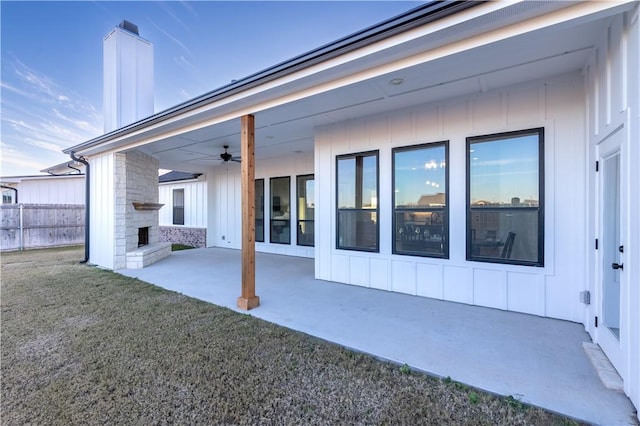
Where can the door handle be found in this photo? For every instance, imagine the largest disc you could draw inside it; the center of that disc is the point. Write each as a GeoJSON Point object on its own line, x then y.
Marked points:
{"type": "Point", "coordinates": [617, 265]}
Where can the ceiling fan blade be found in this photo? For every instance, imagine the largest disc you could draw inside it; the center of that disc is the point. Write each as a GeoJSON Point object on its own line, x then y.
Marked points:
{"type": "Point", "coordinates": [225, 156]}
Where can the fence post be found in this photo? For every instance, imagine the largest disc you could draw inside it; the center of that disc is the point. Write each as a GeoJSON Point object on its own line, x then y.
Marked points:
{"type": "Point", "coordinates": [21, 228]}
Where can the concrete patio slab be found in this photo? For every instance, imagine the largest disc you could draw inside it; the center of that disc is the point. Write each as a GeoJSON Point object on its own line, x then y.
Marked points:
{"type": "Point", "coordinates": [538, 360]}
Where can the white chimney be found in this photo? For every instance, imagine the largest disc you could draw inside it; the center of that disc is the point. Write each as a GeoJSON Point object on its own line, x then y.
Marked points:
{"type": "Point", "coordinates": [128, 77]}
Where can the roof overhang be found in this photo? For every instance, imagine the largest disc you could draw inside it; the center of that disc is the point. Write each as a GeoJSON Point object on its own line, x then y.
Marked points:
{"type": "Point", "coordinates": [14, 180]}
{"type": "Point", "coordinates": [438, 52]}
{"type": "Point", "coordinates": [67, 168]}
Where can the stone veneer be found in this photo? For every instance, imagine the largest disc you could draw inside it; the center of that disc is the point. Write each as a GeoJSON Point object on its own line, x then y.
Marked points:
{"type": "Point", "coordinates": [136, 180]}
{"type": "Point", "coordinates": [196, 237]}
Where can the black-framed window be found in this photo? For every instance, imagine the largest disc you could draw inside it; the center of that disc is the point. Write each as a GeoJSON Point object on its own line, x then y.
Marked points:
{"type": "Point", "coordinates": [505, 198]}
{"type": "Point", "coordinates": [305, 194]}
{"type": "Point", "coordinates": [280, 220]}
{"type": "Point", "coordinates": [259, 200]}
{"type": "Point", "coordinates": [357, 202]}
{"type": "Point", "coordinates": [420, 200]}
{"type": "Point", "coordinates": [178, 206]}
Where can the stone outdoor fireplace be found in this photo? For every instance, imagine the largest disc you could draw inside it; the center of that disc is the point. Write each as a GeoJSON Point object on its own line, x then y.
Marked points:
{"type": "Point", "coordinates": [144, 226]}
{"type": "Point", "coordinates": [137, 226]}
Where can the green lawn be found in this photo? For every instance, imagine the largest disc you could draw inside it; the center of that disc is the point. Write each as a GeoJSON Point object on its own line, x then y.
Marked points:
{"type": "Point", "coordinates": [82, 345]}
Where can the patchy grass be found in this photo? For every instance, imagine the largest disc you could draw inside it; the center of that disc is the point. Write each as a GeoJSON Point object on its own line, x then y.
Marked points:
{"type": "Point", "coordinates": [177, 247]}
{"type": "Point", "coordinates": [82, 345]}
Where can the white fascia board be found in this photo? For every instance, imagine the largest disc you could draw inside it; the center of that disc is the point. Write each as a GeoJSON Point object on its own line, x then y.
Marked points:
{"type": "Point", "coordinates": [52, 177]}
{"type": "Point", "coordinates": [10, 180]}
{"type": "Point", "coordinates": [16, 180]}
{"type": "Point", "coordinates": [178, 182]}
{"type": "Point", "coordinates": [240, 104]}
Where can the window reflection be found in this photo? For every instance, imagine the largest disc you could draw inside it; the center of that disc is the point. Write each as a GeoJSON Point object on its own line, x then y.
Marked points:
{"type": "Point", "coordinates": [357, 185]}
{"type": "Point", "coordinates": [280, 211]}
{"type": "Point", "coordinates": [306, 210]}
{"type": "Point", "coordinates": [505, 172]}
{"type": "Point", "coordinates": [504, 196]}
{"type": "Point", "coordinates": [259, 200]}
{"type": "Point", "coordinates": [347, 183]}
{"type": "Point", "coordinates": [420, 200]}
{"type": "Point", "coordinates": [178, 206]}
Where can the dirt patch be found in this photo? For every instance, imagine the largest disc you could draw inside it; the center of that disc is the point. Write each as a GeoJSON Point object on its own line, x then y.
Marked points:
{"type": "Point", "coordinates": [44, 345]}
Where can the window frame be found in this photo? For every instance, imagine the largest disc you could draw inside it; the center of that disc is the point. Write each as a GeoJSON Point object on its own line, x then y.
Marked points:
{"type": "Point", "coordinates": [445, 210]}
{"type": "Point", "coordinates": [376, 154]}
{"type": "Point", "coordinates": [176, 208]}
{"type": "Point", "coordinates": [298, 220]}
{"type": "Point", "coordinates": [539, 131]}
{"type": "Point", "coordinates": [259, 205]}
{"type": "Point", "coordinates": [271, 219]}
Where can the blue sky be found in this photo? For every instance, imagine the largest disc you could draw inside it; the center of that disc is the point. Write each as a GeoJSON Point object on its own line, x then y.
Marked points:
{"type": "Point", "coordinates": [51, 91]}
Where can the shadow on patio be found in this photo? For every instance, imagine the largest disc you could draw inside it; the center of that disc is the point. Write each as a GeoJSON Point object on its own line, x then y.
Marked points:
{"type": "Point", "coordinates": [538, 360]}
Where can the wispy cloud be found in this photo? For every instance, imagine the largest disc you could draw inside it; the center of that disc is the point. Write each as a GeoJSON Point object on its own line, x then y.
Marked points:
{"type": "Point", "coordinates": [6, 86]}
{"type": "Point", "coordinates": [185, 64]}
{"type": "Point", "coordinates": [43, 145]}
{"type": "Point", "coordinates": [167, 7]}
{"type": "Point", "coordinates": [188, 7]}
{"type": "Point", "coordinates": [40, 117]}
{"type": "Point", "coordinates": [171, 37]}
{"type": "Point", "coordinates": [502, 162]}
{"type": "Point", "coordinates": [81, 123]}
{"type": "Point", "coordinates": [17, 162]}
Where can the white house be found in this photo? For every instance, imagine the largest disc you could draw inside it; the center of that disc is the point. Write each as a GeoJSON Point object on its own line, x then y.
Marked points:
{"type": "Point", "coordinates": [478, 152]}
{"type": "Point", "coordinates": [44, 210]}
{"type": "Point", "coordinates": [63, 185]}
{"type": "Point", "coordinates": [183, 215]}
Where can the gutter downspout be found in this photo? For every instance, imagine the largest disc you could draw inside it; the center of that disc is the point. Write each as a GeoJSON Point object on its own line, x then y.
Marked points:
{"type": "Point", "coordinates": [71, 167]}
{"type": "Point", "coordinates": [87, 200]}
{"type": "Point", "coordinates": [13, 189]}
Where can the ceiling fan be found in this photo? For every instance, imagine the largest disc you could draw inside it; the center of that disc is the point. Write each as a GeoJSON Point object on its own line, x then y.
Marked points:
{"type": "Point", "coordinates": [225, 156]}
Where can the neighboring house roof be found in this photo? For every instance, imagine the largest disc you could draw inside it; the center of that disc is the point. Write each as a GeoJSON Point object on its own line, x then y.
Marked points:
{"type": "Point", "coordinates": [66, 170]}
{"type": "Point", "coordinates": [433, 199]}
{"type": "Point", "coordinates": [70, 167]}
{"type": "Point", "coordinates": [175, 175]}
{"type": "Point", "coordinates": [14, 180]}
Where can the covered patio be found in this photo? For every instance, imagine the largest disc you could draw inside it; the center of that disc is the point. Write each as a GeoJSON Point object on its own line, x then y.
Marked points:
{"type": "Point", "coordinates": [439, 79]}
{"type": "Point", "coordinates": [537, 360]}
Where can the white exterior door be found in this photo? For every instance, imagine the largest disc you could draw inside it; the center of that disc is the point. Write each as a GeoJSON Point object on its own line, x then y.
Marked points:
{"type": "Point", "coordinates": [612, 202]}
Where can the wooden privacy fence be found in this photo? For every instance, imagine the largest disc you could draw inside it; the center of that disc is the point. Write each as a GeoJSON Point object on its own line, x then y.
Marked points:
{"type": "Point", "coordinates": [27, 226]}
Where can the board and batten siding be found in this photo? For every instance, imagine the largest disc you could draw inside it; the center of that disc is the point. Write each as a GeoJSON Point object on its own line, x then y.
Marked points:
{"type": "Point", "coordinates": [195, 203]}
{"type": "Point", "coordinates": [102, 210]}
{"type": "Point", "coordinates": [52, 190]}
{"type": "Point", "coordinates": [613, 105]}
{"type": "Point", "coordinates": [225, 230]}
{"type": "Point", "coordinates": [557, 104]}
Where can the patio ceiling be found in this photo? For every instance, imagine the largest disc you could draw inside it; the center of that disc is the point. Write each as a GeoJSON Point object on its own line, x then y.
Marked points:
{"type": "Point", "coordinates": [288, 128]}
